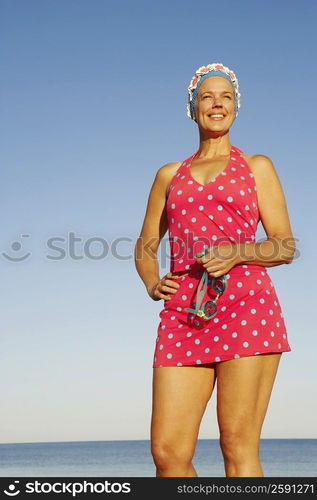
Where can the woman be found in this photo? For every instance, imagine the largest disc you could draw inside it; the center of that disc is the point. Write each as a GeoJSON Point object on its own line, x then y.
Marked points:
{"type": "Point", "coordinates": [222, 318]}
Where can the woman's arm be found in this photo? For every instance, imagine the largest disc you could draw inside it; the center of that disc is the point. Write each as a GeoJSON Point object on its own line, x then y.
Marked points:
{"type": "Point", "coordinates": [153, 229]}
{"type": "Point", "coordinates": [279, 247]}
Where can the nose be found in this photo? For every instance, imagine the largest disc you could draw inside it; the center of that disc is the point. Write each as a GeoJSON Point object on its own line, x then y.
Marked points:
{"type": "Point", "coordinates": [217, 101]}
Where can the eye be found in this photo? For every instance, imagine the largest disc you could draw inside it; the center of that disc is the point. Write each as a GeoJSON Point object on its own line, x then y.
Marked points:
{"type": "Point", "coordinates": [228, 96]}
{"type": "Point", "coordinates": [206, 96]}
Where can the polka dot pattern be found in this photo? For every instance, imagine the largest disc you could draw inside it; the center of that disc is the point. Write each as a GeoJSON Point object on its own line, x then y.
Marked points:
{"type": "Point", "coordinates": [249, 319]}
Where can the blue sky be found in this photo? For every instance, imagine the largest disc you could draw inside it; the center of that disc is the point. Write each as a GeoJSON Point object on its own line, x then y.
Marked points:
{"type": "Point", "coordinates": [93, 103]}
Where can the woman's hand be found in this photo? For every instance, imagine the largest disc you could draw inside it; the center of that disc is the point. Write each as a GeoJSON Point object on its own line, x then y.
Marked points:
{"type": "Point", "coordinates": [164, 287]}
{"type": "Point", "coordinates": [220, 259]}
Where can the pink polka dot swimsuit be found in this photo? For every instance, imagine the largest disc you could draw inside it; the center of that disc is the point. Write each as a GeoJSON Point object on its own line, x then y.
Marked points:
{"type": "Point", "coordinates": [249, 319]}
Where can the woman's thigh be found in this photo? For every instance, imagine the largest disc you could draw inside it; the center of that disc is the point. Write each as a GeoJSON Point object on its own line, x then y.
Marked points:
{"type": "Point", "coordinates": [244, 387]}
{"type": "Point", "coordinates": [180, 397]}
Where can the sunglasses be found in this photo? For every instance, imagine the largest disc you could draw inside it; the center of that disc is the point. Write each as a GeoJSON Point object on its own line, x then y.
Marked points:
{"type": "Point", "coordinates": [209, 308]}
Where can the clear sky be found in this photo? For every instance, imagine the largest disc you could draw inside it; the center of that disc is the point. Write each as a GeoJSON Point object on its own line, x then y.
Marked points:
{"type": "Point", "coordinates": [93, 103]}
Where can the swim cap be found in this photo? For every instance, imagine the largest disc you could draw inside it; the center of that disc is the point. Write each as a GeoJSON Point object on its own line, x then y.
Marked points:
{"type": "Point", "coordinates": [214, 69]}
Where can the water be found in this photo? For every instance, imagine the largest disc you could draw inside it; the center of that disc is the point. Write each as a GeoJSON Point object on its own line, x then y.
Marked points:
{"type": "Point", "coordinates": [279, 458]}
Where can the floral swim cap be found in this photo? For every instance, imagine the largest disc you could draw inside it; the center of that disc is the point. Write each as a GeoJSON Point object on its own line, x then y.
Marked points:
{"type": "Point", "coordinates": [214, 69]}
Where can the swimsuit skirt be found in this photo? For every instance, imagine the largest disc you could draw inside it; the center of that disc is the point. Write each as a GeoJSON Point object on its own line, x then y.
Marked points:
{"type": "Point", "coordinates": [249, 319]}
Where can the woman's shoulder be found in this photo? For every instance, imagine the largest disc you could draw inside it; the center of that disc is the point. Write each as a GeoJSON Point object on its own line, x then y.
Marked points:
{"type": "Point", "coordinates": [166, 173]}
{"type": "Point", "coordinates": [263, 171]}
{"type": "Point", "coordinates": [169, 168]}
{"type": "Point", "coordinates": [258, 162]}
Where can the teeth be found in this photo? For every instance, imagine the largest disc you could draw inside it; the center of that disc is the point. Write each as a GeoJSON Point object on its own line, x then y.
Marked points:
{"type": "Point", "coordinates": [216, 116]}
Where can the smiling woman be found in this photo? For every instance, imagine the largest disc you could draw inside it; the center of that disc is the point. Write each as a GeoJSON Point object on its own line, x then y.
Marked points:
{"type": "Point", "coordinates": [211, 204]}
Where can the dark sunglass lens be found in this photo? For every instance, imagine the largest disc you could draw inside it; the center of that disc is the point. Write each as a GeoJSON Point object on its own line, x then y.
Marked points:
{"type": "Point", "coordinates": [210, 309]}
{"type": "Point", "coordinates": [219, 284]}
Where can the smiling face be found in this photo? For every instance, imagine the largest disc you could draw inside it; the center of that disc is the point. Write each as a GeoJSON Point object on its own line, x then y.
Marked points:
{"type": "Point", "coordinates": [215, 97]}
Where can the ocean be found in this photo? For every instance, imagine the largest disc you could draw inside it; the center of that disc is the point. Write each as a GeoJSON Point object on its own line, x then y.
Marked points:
{"type": "Point", "coordinates": [279, 458]}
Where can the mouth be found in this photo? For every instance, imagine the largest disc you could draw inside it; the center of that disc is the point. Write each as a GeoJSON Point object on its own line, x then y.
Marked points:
{"type": "Point", "coordinates": [217, 116]}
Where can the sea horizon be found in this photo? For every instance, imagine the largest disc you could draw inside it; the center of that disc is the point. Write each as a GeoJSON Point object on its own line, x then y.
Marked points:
{"type": "Point", "coordinates": [115, 440]}
{"type": "Point", "coordinates": [280, 457]}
